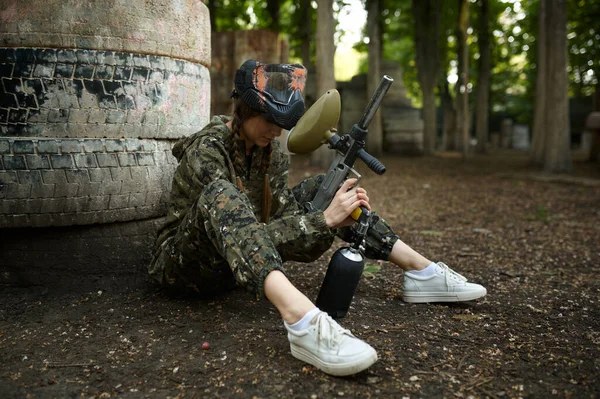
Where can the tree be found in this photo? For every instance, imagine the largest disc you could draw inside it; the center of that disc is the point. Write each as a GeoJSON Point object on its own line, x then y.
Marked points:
{"type": "Point", "coordinates": [226, 16]}
{"type": "Point", "coordinates": [375, 136]}
{"type": "Point", "coordinates": [483, 77]}
{"type": "Point", "coordinates": [273, 10]}
{"type": "Point", "coordinates": [584, 48]}
{"type": "Point", "coordinates": [304, 22]}
{"type": "Point", "coordinates": [212, 11]}
{"type": "Point", "coordinates": [427, 21]}
{"type": "Point", "coordinates": [447, 51]}
{"type": "Point", "coordinates": [552, 114]}
{"type": "Point", "coordinates": [397, 42]}
{"type": "Point", "coordinates": [325, 47]}
{"type": "Point", "coordinates": [462, 91]}
{"type": "Point", "coordinates": [449, 116]}
{"type": "Point", "coordinates": [513, 45]}
{"type": "Point", "coordinates": [539, 123]}
{"type": "Point", "coordinates": [325, 67]}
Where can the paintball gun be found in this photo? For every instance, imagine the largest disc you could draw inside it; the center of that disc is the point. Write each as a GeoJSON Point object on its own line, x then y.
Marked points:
{"type": "Point", "coordinates": [317, 127]}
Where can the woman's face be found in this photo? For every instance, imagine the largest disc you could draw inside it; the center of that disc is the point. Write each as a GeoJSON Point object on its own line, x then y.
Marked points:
{"type": "Point", "coordinates": [257, 131]}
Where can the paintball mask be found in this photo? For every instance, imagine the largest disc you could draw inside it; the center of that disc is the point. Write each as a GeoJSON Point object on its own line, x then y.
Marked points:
{"type": "Point", "coordinates": [276, 90]}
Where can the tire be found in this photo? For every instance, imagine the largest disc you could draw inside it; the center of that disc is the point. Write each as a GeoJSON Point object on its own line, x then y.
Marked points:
{"type": "Point", "coordinates": [177, 29]}
{"type": "Point", "coordinates": [63, 159]}
{"type": "Point", "coordinates": [67, 93]}
{"type": "Point", "coordinates": [62, 182]}
{"type": "Point", "coordinates": [70, 131]}
{"type": "Point", "coordinates": [90, 107]}
{"type": "Point", "coordinates": [93, 95]}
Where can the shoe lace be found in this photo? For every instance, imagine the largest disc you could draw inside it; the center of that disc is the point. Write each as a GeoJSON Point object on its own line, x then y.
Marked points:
{"type": "Point", "coordinates": [451, 274]}
{"type": "Point", "coordinates": [328, 330]}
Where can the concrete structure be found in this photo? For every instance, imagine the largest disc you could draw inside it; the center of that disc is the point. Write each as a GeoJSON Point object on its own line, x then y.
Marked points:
{"type": "Point", "coordinates": [592, 128]}
{"type": "Point", "coordinates": [93, 95]}
{"type": "Point", "coordinates": [520, 137]}
{"type": "Point", "coordinates": [402, 123]}
{"type": "Point", "coordinates": [230, 50]}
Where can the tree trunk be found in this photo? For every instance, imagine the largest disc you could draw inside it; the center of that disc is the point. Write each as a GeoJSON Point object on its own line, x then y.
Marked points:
{"type": "Point", "coordinates": [325, 68]}
{"type": "Point", "coordinates": [557, 154]}
{"type": "Point", "coordinates": [427, 14]}
{"type": "Point", "coordinates": [462, 94]}
{"type": "Point", "coordinates": [449, 127]}
{"type": "Point", "coordinates": [212, 11]}
{"type": "Point", "coordinates": [273, 10]}
{"type": "Point", "coordinates": [306, 34]}
{"type": "Point", "coordinates": [483, 79]}
{"type": "Point", "coordinates": [375, 135]}
{"type": "Point", "coordinates": [596, 101]}
{"type": "Point", "coordinates": [539, 130]}
{"type": "Point", "coordinates": [429, 119]}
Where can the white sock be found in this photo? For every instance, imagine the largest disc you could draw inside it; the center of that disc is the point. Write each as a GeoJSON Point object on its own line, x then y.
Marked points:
{"type": "Point", "coordinates": [304, 322]}
{"type": "Point", "coordinates": [428, 271]}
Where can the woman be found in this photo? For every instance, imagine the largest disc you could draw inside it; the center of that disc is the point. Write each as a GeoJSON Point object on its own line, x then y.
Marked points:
{"type": "Point", "coordinates": [234, 221]}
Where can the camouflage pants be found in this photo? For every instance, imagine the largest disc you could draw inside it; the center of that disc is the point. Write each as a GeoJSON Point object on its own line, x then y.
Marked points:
{"type": "Point", "coordinates": [221, 244]}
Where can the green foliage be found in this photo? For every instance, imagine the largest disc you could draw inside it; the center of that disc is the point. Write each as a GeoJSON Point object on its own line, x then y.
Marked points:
{"type": "Point", "coordinates": [583, 29]}
{"type": "Point", "coordinates": [541, 215]}
{"type": "Point", "coordinates": [516, 51]}
{"type": "Point", "coordinates": [297, 17]}
{"type": "Point", "coordinates": [397, 27]}
{"type": "Point", "coordinates": [371, 269]}
{"type": "Point", "coordinates": [231, 15]}
{"type": "Point", "coordinates": [447, 40]}
{"type": "Point", "coordinates": [398, 43]}
{"type": "Point", "coordinates": [514, 27]}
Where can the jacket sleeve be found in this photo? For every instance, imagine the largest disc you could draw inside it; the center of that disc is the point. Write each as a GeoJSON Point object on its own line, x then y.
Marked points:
{"type": "Point", "coordinates": [207, 162]}
{"type": "Point", "coordinates": [298, 235]}
{"type": "Point", "coordinates": [198, 166]}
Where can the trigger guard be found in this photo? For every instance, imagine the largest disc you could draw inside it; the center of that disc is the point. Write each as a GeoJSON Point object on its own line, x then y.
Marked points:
{"type": "Point", "coordinates": [358, 177]}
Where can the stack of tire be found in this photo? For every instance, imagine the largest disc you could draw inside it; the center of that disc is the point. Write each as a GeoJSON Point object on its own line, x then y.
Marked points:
{"type": "Point", "coordinates": [93, 95]}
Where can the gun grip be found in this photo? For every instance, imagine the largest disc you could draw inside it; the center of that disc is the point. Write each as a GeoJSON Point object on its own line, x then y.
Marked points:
{"type": "Point", "coordinates": [359, 212]}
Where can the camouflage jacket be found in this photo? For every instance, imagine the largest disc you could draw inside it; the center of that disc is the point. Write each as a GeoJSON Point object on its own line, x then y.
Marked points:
{"type": "Point", "coordinates": [207, 155]}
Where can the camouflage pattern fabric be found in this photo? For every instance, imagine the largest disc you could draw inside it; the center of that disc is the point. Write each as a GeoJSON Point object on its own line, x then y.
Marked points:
{"type": "Point", "coordinates": [379, 240]}
{"type": "Point", "coordinates": [212, 240]}
{"type": "Point", "coordinates": [219, 244]}
{"type": "Point", "coordinates": [186, 255]}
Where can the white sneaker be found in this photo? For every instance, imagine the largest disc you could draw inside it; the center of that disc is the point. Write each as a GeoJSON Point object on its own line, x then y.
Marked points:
{"type": "Point", "coordinates": [444, 286]}
{"type": "Point", "coordinates": [331, 348]}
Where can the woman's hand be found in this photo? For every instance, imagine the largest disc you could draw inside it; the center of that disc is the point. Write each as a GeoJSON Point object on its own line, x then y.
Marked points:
{"type": "Point", "coordinates": [345, 201]}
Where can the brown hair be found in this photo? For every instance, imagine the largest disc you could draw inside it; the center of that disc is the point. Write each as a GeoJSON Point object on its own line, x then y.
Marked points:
{"type": "Point", "coordinates": [241, 112]}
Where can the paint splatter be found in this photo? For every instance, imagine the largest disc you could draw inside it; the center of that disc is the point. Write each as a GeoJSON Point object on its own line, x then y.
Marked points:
{"type": "Point", "coordinates": [298, 79]}
{"type": "Point", "coordinates": [260, 78]}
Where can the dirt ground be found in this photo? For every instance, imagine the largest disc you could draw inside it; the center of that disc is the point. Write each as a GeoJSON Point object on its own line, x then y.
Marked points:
{"type": "Point", "coordinates": [531, 239]}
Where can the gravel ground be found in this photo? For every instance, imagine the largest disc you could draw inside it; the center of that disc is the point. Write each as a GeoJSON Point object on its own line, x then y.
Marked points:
{"type": "Point", "coordinates": [530, 238]}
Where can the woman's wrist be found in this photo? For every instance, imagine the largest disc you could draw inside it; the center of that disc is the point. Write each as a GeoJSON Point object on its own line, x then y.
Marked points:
{"type": "Point", "coordinates": [319, 222]}
{"type": "Point", "coordinates": [328, 221]}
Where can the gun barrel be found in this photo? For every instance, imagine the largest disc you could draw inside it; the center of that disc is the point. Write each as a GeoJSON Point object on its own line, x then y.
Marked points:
{"type": "Point", "coordinates": [375, 102]}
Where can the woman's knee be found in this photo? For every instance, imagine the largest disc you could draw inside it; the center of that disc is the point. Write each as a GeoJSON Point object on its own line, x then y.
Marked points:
{"type": "Point", "coordinates": [380, 239]}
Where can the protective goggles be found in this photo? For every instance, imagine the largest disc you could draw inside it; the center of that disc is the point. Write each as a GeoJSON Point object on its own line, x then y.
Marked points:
{"type": "Point", "coordinates": [278, 83]}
